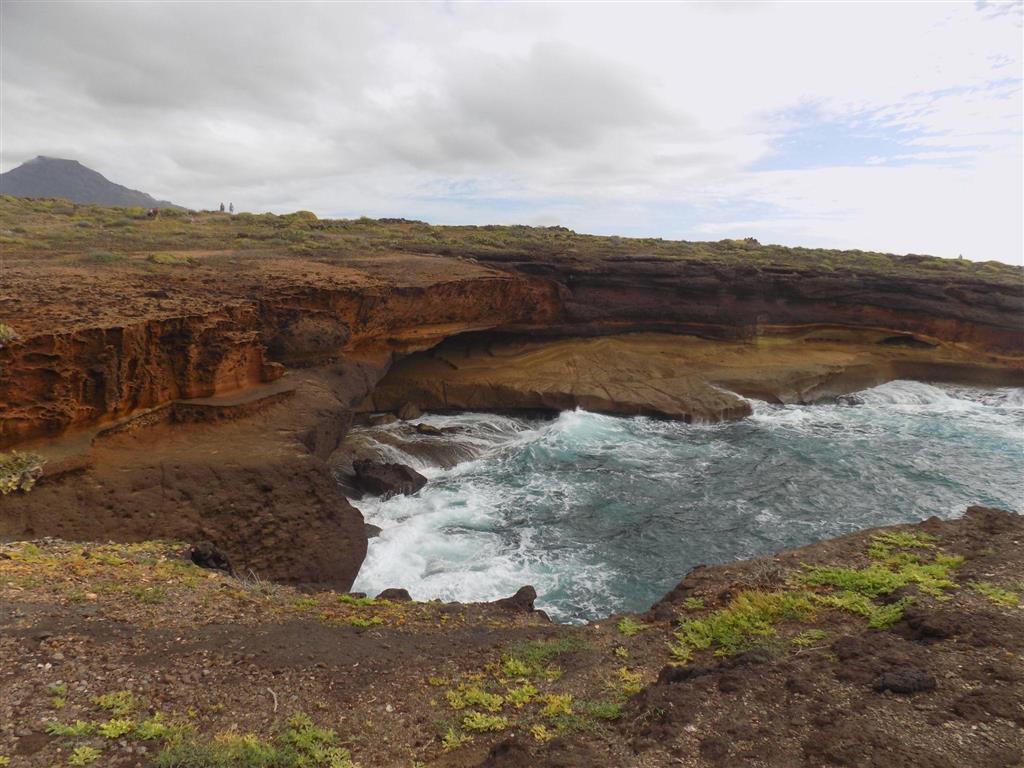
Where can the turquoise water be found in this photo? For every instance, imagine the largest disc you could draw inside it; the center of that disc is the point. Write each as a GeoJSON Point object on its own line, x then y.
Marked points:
{"type": "Point", "coordinates": [605, 514]}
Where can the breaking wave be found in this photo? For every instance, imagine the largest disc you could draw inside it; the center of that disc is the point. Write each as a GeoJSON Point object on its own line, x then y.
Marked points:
{"type": "Point", "coordinates": [604, 514]}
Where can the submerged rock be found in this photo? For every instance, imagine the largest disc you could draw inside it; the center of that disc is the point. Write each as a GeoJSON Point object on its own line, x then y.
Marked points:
{"type": "Point", "coordinates": [372, 531]}
{"type": "Point", "coordinates": [382, 419]}
{"type": "Point", "coordinates": [427, 429]}
{"type": "Point", "coordinates": [385, 479]}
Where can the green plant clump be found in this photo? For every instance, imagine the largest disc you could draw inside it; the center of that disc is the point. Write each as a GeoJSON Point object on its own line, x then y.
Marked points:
{"type": "Point", "coordinates": [750, 615]}
{"type": "Point", "coordinates": [7, 334]}
{"type": "Point", "coordinates": [299, 744]}
{"type": "Point", "coordinates": [630, 628]}
{"type": "Point", "coordinates": [995, 593]}
{"type": "Point", "coordinates": [19, 471]}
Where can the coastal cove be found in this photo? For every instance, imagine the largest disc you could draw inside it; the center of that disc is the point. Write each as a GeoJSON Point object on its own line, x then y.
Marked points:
{"type": "Point", "coordinates": [606, 514]}
{"type": "Point", "coordinates": [595, 417]}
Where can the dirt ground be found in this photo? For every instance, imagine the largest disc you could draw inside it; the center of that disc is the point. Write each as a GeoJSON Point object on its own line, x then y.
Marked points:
{"type": "Point", "coordinates": [404, 684]}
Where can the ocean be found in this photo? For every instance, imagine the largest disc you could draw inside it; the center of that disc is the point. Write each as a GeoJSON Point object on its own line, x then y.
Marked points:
{"type": "Point", "coordinates": [604, 514]}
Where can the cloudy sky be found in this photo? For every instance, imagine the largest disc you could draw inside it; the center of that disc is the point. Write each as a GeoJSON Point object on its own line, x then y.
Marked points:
{"type": "Point", "coordinates": [889, 126]}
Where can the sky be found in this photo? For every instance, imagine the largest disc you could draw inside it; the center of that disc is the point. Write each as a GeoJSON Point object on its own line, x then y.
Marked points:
{"type": "Point", "coordinates": [893, 126]}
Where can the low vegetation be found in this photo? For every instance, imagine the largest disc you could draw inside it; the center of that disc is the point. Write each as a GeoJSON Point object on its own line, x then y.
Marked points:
{"type": "Point", "coordinates": [7, 335]}
{"type": "Point", "coordinates": [35, 226]}
{"type": "Point", "coordinates": [898, 560]}
{"type": "Point", "coordinates": [19, 471]}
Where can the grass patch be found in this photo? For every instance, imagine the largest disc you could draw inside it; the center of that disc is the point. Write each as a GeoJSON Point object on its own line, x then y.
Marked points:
{"type": "Point", "coordinates": [603, 710]}
{"type": "Point", "coordinates": [631, 628]}
{"type": "Point", "coordinates": [809, 638]}
{"type": "Point", "coordinates": [556, 705]}
{"type": "Point", "coordinates": [474, 696]}
{"type": "Point", "coordinates": [299, 744]}
{"type": "Point", "coordinates": [521, 695]}
{"type": "Point", "coordinates": [75, 730]}
{"type": "Point", "coordinates": [453, 739]}
{"type": "Point", "coordinates": [693, 604]}
{"type": "Point", "coordinates": [752, 615]}
{"type": "Point", "coordinates": [932, 578]}
{"type": "Point", "coordinates": [170, 260]}
{"type": "Point", "coordinates": [478, 721]}
{"type": "Point", "coordinates": [119, 703]}
{"type": "Point", "coordinates": [353, 600]}
{"type": "Point", "coordinates": [84, 755]}
{"type": "Point", "coordinates": [105, 257]}
{"type": "Point", "coordinates": [116, 728]}
{"type": "Point", "coordinates": [533, 658]}
{"type": "Point", "coordinates": [149, 595]}
{"type": "Point", "coordinates": [995, 593]}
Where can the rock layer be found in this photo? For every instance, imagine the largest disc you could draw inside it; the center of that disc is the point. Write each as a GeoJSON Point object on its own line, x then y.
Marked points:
{"type": "Point", "coordinates": [154, 387]}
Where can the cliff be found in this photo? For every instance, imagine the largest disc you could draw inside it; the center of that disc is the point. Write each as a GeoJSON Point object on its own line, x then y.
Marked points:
{"type": "Point", "coordinates": [189, 376]}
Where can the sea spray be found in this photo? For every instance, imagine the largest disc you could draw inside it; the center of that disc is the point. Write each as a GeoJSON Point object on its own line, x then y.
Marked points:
{"type": "Point", "coordinates": [605, 514]}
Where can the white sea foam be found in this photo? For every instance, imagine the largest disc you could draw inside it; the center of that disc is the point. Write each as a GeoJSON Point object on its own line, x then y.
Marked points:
{"type": "Point", "coordinates": [603, 514]}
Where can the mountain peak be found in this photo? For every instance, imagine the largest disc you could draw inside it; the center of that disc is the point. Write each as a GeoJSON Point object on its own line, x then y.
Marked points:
{"type": "Point", "coordinates": [65, 178]}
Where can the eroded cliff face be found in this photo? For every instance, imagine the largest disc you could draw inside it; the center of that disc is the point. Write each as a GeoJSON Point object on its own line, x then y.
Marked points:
{"type": "Point", "coordinates": [65, 379]}
{"type": "Point", "coordinates": [55, 381]}
{"type": "Point", "coordinates": [614, 294]}
{"type": "Point", "coordinates": [227, 385]}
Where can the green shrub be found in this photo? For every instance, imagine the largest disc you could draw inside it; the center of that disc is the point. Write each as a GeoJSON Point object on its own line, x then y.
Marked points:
{"type": "Point", "coordinates": [477, 721]}
{"type": "Point", "coordinates": [629, 627]}
{"type": "Point", "coordinates": [750, 615]}
{"type": "Point", "coordinates": [7, 334]}
{"type": "Point", "coordinates": [19, 471]}
{"type": "Point", "coordinates": [84, 755]}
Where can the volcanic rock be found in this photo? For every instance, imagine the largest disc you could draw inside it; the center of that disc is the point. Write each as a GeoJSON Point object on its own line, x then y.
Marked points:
{"type": "Point", "coordinates": [387, 479]}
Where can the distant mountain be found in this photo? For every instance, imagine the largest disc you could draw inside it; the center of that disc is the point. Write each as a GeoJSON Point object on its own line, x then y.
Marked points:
{"type": "Point", "coordinates": [69, 179]}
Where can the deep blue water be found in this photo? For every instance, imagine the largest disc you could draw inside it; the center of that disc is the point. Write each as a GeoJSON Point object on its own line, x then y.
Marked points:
{"type": "Point", "coordinates": [604, 514]}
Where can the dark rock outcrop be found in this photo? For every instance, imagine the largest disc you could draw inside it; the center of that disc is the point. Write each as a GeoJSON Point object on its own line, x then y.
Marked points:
{"type": "Point", "coordinates": [522, 600]}
{"type": "Point", "coordinates": [206, 554]}
{"type": "Point", "coordinates": [387, 479]}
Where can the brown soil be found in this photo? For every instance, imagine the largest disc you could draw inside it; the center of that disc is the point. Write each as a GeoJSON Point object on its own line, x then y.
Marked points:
{"type": "Point", "coordinates": [944, 686]}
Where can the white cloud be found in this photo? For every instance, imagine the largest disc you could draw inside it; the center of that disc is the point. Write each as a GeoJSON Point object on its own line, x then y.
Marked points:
{"type": "Point", "coordinates": [643, 119]}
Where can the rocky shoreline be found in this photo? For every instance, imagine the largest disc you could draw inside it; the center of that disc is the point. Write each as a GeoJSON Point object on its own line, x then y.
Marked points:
{"type": "Point", "coordinates": [900, 646]}
{"type": "Point", "coordinates": [203, 396]}
{"type": "Point", "coordinates": [208, 397]}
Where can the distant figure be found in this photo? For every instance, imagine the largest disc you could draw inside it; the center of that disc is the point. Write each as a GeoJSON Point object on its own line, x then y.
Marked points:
{"type": "Point", "coordinates": [222, 207]}
{"type": "Point", "coordinates": [154, 213]}
{"type": "Point", "coordinates": [231, 207]}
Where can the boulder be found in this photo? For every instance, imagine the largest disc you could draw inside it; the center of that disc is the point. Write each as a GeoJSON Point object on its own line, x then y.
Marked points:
{"type": "Point", "coordinates": [409, 411]}
{"type": "Point", "coordinates": [520, 601]}
{"type": "Point", "coordinates": [903, 680]}
{"type": "Point", "coordinates": [426, 429]}
{"type": "Point", "coordinates": [385, 479]}
{"type": "Point", "coordinates": [206, 554]}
